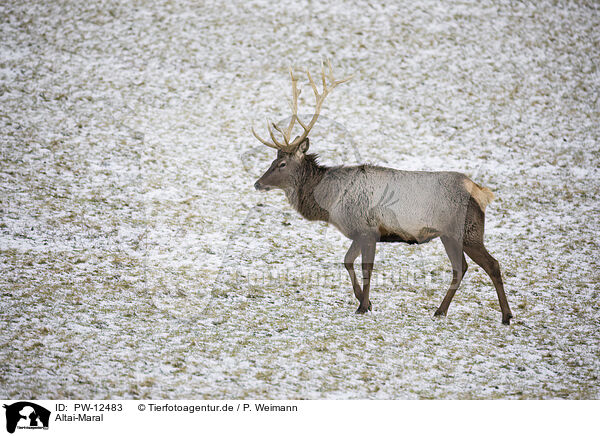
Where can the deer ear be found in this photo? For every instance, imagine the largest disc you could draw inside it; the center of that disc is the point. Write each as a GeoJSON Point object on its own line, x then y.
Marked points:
{"type": "Point", "coordinates": [303, 147]}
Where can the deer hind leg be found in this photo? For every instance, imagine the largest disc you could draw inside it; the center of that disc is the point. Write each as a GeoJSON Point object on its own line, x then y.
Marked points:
{"type": "Point", "coordinates": [349, 259]}
{"type": "Point", "coordinates": [473, 246]}
{"type": "Point", "coordinates": [480, 255]}
{"type": "Point", "coordinates": [454, 251]}
{"type": "Point", "coordinates": [367, 248]}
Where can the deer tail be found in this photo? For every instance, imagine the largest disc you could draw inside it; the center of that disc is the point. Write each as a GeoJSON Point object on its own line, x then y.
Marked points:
{"type": "Point", "coordinates": [483, 196]}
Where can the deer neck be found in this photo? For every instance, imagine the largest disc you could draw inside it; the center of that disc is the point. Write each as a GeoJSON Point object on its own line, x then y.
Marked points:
{"type": "Point", "coordinates": [301, 194]}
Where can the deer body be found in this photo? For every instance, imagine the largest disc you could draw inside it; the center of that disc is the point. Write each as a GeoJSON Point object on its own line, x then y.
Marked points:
{"type": "Point", "coordinates": [413, 207]}
{"type": "Point", "coordinates": [371, 204]}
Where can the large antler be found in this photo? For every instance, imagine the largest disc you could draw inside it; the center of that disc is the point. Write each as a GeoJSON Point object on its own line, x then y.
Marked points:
{"type": "Point", "coordinates": [290, 146]}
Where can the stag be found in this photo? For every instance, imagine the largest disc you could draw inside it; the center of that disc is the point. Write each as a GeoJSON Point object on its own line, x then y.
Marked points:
{"type": "Point", "coordinates": [371, 204]}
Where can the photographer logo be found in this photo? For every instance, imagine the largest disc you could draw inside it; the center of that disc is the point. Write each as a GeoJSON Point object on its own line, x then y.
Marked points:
{"type": "Point", "coordinates": [26, 415]}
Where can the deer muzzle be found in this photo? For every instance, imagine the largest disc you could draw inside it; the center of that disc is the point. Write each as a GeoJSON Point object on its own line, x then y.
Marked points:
{"type": "Point", "coordinates": [260, 187]}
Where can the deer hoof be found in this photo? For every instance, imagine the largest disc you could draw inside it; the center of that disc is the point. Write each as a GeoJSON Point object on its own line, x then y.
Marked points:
{"type": "Point", "coordinates": [506, 318]}
{"type": "Point", "coordinates": [362, 309]}
{"type": "Point", "coordinates": [439, 313]}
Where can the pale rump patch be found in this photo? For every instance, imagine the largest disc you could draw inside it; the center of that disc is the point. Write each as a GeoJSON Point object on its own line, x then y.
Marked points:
{"type": "Point", "coordinates": [483, 196]}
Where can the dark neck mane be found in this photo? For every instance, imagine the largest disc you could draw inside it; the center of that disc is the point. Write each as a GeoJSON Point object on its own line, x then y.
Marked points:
{"type": "Point", "coordinates": [301, 195]}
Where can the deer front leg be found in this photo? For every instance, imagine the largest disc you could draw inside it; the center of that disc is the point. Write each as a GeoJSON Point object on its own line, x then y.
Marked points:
{"type": "Point", "coordinates": [349, 259]}
{"type": "Point", "coordinates": [367, 248]}
{"type": "Point", "coordinates": [459, 268]}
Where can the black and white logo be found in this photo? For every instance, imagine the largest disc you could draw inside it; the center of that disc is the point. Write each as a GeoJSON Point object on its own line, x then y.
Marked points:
{"type": "Point", "coordinates": [26, 415]}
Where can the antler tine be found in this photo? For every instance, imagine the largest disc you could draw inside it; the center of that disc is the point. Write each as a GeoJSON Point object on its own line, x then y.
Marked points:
{"type": "Point", "coordinates": [278, 144]}
{"type": "Point", "coordinates": [301, 123]}
{"type": "Point", "coordinates": [295, 94]}
{"type": "Point", "coordinates": [285, 138]}
{"type": "Point", "coordinates": [337, 82]}
{"type": "Point", "coordinates": [345, 79]}
{"type": "Point", "coordinates": [312, 84]}
{"type": "Point", "coordinates": [319, 98]}
{"type": "Point", "coordinates": [267, 143]}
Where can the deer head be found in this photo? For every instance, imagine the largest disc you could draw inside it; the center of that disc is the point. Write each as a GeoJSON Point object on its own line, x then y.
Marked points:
{"type": "Point", "coordinates": [291, 153]}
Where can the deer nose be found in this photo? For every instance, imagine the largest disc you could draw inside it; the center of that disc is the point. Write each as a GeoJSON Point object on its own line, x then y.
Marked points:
{"type": "Point", "coordinates": [257, 186]}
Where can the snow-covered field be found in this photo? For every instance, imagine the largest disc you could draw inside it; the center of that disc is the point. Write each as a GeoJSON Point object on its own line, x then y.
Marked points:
{"type": "Point", "coordinates": [137, 260]}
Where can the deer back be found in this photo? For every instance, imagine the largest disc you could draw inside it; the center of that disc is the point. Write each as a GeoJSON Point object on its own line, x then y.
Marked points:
{"type": "Point", "coordinates": [415, 206]}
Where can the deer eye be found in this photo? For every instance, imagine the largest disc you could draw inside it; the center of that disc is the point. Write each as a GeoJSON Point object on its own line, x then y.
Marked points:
{"type": "Point", "coordinates": [281, 165]}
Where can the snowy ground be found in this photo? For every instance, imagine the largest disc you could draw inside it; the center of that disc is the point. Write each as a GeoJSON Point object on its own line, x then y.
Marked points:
{"type": "Point", "coordinates": [136, 259]}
